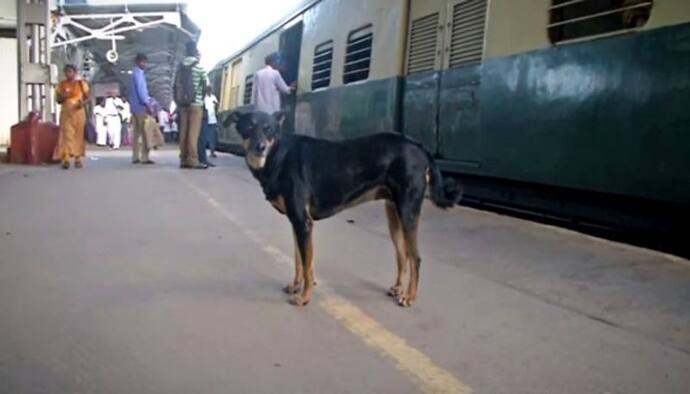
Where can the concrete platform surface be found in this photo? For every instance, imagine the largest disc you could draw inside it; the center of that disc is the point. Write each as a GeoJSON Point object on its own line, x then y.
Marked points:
{"type": "Point", "coordinates": [149, 279]}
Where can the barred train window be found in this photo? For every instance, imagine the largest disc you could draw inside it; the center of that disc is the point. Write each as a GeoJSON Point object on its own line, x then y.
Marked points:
{"type": "Point", "coordinates": [572, 19]}
{"type": "Point", "coordinates": [467, 33]}
{"type": "Point", "coordinates": [421, 55]}
{"type": "Point", "coordinates": [248, 86]}
{"type": "Point", "coordinates": [358, 54]}
{"type": "Point", "coordinates": [323, 62]}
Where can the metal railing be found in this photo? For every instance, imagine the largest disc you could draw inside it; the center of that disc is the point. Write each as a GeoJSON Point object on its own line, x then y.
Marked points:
{"type": "Point", "coordinates": [647, 4]}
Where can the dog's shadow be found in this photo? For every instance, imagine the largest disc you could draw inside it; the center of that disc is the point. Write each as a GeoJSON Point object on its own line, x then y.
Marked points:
{"type": "Point", "coordinates": [362, 290]}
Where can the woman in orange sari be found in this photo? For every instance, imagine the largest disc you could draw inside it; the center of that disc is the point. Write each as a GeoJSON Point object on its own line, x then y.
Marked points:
{"type": "Point", "coordinates": [71, 93]}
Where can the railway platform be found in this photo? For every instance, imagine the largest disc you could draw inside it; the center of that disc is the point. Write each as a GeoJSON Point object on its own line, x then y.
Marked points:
{"type": "Point", "coordinates": [150, 279]}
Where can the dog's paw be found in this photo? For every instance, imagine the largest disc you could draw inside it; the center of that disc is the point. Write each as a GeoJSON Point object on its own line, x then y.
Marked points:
{"type": "Point", "coordinates": [405, 301]}
{"type": "Point", "coordinates": [292, 288]}
{"type": "Point", "coordinates": [298, 300]}
{"type": "Point", "coordinates": [395, 291]}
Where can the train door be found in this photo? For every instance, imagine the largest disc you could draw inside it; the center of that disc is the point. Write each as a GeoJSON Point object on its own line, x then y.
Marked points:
{"type": "Point", "coordinates": [225, 92]}
{"type": "Point", "coordinates": [423, 69]}
{"type": "Point", "coordinates": [235, 80]}
{"type": "Point", "coordinates": [459, 121]}
{"type": "Point", "coordinates": [230, 100]}
{"type": "Point", "coordinates": [290, 47]}
{"type": "Point", "coordinates": [441, 102]}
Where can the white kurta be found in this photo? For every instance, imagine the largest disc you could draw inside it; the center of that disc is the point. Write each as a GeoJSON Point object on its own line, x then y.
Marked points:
{"type": "Point", "coordinates": [268, 84]}
{"type": "Point", "coordinates": [164, 121]}
{"type": "Point", "coordinates": [113, 121]}
{"type": "Point", "coordinates": [99, 119]}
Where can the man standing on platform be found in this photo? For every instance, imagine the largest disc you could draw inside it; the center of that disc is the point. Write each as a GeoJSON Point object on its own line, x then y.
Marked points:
{"type": "Point", "coordinates": [188, 91]}
{"type": "Point", "coordinates": [209, 132]}
{"type": "Point", "coordinates": [139, 100]}
{"type": "Point", "coordinates": [113, 121]}
{"type": "Point", "coordinates": [126, 115]}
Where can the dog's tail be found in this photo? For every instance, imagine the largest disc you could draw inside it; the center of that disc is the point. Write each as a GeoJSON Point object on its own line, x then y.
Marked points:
{"type": "Point", "coordinates": [445, 193]}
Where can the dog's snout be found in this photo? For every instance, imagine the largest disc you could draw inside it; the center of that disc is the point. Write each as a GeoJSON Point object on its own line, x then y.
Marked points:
{"type": "Point", "coordinates": [260, 146]}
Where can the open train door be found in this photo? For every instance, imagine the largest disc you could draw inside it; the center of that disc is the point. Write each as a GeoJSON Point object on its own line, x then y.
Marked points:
{"type": "Point", "coordinates": [290, 47]}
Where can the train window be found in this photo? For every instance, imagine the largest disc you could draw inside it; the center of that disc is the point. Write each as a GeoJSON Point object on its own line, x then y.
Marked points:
{"type": "Point", "coordinates": [248, 86]}
{"type": "Point", "coordinates": [467, 33]}
{"type": "Point", "coordinates": [323, 62]}
{"type": "Point", "coordinates": [421, 54]}
{"type": "Point", "coordinates": [358, 54]}
{"type": "Point", "coordinates": [572, 19]}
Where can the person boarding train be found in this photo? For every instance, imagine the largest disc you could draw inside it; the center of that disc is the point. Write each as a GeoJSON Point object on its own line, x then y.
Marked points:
{"type": "Point", "coordinates": [268, 84]}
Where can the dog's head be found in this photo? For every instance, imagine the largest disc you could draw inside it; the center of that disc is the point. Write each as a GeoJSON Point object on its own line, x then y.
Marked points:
{"type": "Point", "coordinates": [259, 132]}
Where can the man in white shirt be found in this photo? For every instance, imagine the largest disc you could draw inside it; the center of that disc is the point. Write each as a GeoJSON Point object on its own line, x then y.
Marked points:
{"type": "Point", "coordinates": [164, 124]}
{"type": "Point", "coordinates": [208, 126]}
{"type": "Point", "coordinates": [125, 116]}
{"type": "Point", "coordinates": [210, 105]}
{"type": "Point", "coordinates": [268, 84]}
{"type": "Point", "coordinates": [99, 120]}
{"type": "Point", "coordinates": [113, 104]}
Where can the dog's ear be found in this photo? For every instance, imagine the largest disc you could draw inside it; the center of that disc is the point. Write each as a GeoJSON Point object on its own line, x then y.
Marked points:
{"type": "Point", "coordinates": [232, 117]}
{"type": "Point", "coordinates": [279, 117]}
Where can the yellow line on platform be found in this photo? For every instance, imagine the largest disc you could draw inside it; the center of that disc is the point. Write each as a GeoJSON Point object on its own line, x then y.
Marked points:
{"type": "Point", "coordinates": [416, 365]}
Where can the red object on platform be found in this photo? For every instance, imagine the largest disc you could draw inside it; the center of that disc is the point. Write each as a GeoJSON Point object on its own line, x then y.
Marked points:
{"type": "Point", "coordinates": [33, 141]}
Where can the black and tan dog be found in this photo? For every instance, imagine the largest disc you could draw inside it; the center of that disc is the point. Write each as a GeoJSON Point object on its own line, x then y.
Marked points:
{"type": "Point", "coordinates": [309, 179]}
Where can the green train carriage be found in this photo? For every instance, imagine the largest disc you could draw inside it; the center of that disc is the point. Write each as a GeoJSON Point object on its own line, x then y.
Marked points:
{"type": "Point", "coordinates": [575, 108]}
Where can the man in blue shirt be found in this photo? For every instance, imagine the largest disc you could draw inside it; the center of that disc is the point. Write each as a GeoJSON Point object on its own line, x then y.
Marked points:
{"type": "Point", "coordinates": [139, 99]}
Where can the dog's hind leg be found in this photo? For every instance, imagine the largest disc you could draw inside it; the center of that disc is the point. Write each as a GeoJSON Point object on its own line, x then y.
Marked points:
{"type": "Point", "coordinates": [410, 212]}
{"type": "Point", "coordinates": [398, 238]}
{"type": "Point", "coordinates": [296, 285]}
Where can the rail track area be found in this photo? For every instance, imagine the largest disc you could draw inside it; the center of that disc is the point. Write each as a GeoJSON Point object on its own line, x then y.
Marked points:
{"type": "Point", "coordinates": [119, 279]}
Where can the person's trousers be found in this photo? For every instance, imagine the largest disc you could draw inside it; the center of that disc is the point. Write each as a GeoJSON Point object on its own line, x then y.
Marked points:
{"type": "Point", "coordinates": [125, 133]}
{"type": "Point", "coordinates": [101, 134]}
{"type": "Point", "coordinates": [140, 148]}
{"type": "Point", "coordinates": [114, 125]}
{"type": "Point", "coordinates": [212, 136]}
{"type": "Point", "coordinates": [203, 143]}
{"type": "Point", "coordinates": [190, 128]}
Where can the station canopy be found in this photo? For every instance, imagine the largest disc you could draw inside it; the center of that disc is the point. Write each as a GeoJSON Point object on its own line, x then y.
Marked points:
{"type": "Point", "coordinates": [103, 37]}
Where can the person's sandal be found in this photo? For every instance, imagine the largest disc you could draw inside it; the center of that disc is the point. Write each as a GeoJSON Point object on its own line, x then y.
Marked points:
{"type": "Point", "coordinates": [148, 162]}
{"type": "Point", "coordinates": [65, 165]}
{"type": "Point", "coordinates": [77, 164]}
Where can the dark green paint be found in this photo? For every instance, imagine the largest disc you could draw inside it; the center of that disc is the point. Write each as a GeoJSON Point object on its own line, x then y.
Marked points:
{"type": "Point", "coordinates": [420, 108]}
{"type": "Point", "coordinates": [350, 111]}
{"type": "Point", "coordinates": [459, 116]}
{"type": "Point", "coordinates": [609, 115]}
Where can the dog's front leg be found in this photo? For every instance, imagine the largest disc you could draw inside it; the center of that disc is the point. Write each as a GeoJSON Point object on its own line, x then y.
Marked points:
{"type": "Point", "coordinates": [296, 285]}
{"type": "Point", "coordinates": [303, 227]}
